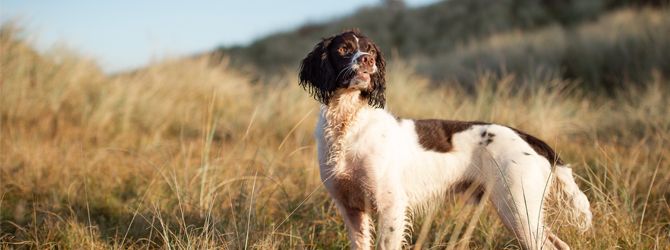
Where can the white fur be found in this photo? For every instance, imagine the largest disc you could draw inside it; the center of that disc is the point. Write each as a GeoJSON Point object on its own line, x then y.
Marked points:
{"type": "Point", "coordinates": [369, 161]}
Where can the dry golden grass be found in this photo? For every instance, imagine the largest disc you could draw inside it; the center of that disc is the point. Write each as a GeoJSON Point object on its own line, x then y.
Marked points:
{"type": "Point", "coordinates": [186, 155]}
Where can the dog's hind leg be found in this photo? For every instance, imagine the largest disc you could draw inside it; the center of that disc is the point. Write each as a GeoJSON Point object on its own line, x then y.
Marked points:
{"type": "Point", "coordinates": [518, 194]}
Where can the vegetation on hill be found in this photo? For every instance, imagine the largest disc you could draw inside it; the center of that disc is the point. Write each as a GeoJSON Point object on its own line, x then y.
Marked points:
{"type": "Point", "coordinates": [190, 154]}
{"type": "Point", "coordinates": [621, 47]}
{"type": "Point", "coordinates": [459, 39]}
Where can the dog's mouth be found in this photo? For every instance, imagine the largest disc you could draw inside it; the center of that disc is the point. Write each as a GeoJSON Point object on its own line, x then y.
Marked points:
{"type": "Point", "coordinates": [359, 80]}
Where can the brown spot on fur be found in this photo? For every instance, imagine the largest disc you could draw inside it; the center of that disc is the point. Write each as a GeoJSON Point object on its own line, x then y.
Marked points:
{"type": "Point", "coordinates": [489, 138]}
{"type": "Point", "coordinates": [436, 134]}
{"type": "Point", "coordinates": [540, 147]}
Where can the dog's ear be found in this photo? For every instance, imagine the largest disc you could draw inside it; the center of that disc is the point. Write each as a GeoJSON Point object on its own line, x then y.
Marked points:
{"type": "Point", "coordinates": [377, 95]}
{"type": "Point", "coordinates": [317, 75]}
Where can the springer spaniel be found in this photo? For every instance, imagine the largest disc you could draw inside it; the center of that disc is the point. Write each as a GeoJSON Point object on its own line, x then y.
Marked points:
{"type": "Point", "coordinates": [371, 160]}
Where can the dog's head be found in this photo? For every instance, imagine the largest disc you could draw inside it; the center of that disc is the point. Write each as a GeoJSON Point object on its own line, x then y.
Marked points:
{"type": "Point", "coordinates": [348, 60]}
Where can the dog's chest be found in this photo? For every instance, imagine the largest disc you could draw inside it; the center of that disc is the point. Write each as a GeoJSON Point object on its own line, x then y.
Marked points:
{"type": "Point", "coordinates": [353, 150]}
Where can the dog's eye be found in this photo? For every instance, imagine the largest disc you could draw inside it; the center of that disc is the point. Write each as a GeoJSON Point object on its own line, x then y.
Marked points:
{"type": "Point", "coordinates": [343, 50]}
{"type": "Point", "coordinates": [372, 52]}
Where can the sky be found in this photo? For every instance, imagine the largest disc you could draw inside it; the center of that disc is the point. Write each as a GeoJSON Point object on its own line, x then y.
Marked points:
{"type": "Point", "coordinates": [124, 35]}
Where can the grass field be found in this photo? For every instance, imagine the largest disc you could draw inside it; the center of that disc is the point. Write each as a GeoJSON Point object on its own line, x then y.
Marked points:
{"type": "Point", "coordinates": [189, 155]}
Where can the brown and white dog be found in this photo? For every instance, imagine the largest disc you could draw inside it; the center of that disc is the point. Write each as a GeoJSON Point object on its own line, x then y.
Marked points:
{"type": "Point", "coordinates": [371, 160]}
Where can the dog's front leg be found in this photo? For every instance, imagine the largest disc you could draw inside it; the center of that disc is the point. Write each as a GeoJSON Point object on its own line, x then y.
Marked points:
{"type": "Point", "coordinates": [393, 218]}
{"type": "Point", "coordinates": [358, 226]}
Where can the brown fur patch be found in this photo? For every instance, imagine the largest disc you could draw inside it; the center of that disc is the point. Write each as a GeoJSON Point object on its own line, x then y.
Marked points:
{"type": "Point", "coordinates": [540, 148]}
{"type": "Point", "coordinates": [436, 135]}
{"type": "Point", "coordinates": [351, 193]}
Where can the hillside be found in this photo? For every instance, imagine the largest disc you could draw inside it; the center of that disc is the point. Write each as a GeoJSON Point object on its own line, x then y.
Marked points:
{"type": "Point", "coordinates": [453, 39]}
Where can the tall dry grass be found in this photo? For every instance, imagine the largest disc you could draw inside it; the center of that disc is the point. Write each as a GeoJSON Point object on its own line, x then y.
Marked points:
{"type": "Point", "coordinates": [186, 155]}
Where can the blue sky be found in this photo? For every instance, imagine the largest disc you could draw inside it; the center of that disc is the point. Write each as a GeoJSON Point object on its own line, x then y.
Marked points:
{"type": "Point", "coordinates": [123, 34]}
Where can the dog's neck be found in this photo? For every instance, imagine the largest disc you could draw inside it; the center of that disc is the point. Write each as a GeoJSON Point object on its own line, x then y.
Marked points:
{"type": "Point", "coordinates": [341, 115]}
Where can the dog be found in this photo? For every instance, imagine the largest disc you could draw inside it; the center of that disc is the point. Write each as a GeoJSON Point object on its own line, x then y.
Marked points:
{"type": "Point", "coordinates": [373, 161]}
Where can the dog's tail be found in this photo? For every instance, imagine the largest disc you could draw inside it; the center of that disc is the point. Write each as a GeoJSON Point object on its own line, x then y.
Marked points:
{"type": "Point", "coordinates": [567, 201]}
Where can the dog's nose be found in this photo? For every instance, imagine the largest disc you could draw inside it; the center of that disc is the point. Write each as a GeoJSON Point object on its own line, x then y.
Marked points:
{"type": "Point", "coordinates": [368, 60]}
